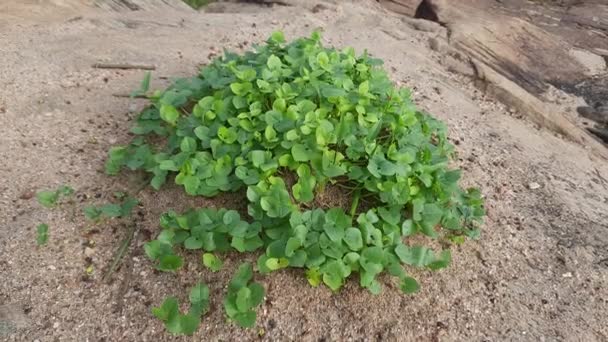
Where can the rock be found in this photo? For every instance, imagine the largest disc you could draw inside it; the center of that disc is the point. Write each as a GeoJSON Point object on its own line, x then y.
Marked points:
{"type": "Point", "coordinates": [533, 186]}
{"type": "Point", "coordinates": [458, 66]}
{"type": "Point", "coordinates": [437, 44]}
{"type": "Point", "coordinates": [27, 194]}
{"type": "Point", "coordinates": [422, 25]}
{"type": "Point", "coordinates": [318, 8]}
{"type": "Point", "coordinates": [600, 132]}
{"type": "Point", "coordinates": [598, 114]}
{"type": "Point", "coordinates": [12, 318]}
{"type": "Point", "coordinates": [595, 64]}
{"type": "Point", "coordinates": [567, 275]}
{"type": "Point", "coordinates": [89, 252]}
{"type": "Point", "coordinates": [406, 7]}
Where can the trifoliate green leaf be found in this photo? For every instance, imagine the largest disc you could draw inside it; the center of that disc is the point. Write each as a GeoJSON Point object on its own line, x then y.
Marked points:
{"type": "Point", "coordinates": [212, 262]}
{"type": "Point", "coordinates": [42, 234]}
{"type": "Point", "coordinates": [170, 262]}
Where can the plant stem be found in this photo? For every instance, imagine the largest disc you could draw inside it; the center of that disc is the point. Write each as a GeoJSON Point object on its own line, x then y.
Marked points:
{"type": "Point", "coordinates": [355, 204]}
{"type": "Point", "coordinates": [120, 253]}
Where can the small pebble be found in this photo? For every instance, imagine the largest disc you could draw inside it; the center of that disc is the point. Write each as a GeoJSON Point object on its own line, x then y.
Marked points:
{"type": "Point", "coordinates": [55, 325]}
{"type": "Point", "coordinates": [89, 252]}
{"type": "Point", "coordinates": [52, 268]}
{"type": "Point", "coordinates": [567, 275]}
{"type": "Point", "coordinates": [533, 186]}
{"type": "Point", "coordinates": [27, 194]}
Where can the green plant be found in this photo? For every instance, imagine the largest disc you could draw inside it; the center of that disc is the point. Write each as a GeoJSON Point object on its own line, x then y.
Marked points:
{"type": "Point", "coordinates": [243, 297]}
{"type": "Point", "coordinates": [196, 4]}
{"type": "Point", "coordinates": [42, 234]}
{"type": "Point", "coordinates": [186, 324]}
{"type": "Point", "coordinates": [49, 198]}
{"type": "Point", "coordinates": [212, 262]}
{"type": "Point", "coordinates": [286, 123]}
{"type": "Point", "coordinates": [111, 210]}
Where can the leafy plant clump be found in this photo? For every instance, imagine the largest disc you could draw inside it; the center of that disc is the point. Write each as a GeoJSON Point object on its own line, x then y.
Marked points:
{"type": "Point", "coordinates": [42, 234]}
{"type": "Point", "coordinates": [49, 198]}
{"type": "Point", "coordinates": [285, 123]}
{"type": "Point", "coordinates": [243, 296]}
{"type": "Point", "coordinates": [110, 210]}
{"type": "Point", "coordinates": [186, 324]}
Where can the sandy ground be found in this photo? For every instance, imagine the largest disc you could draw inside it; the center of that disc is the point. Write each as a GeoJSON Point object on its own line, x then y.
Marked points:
{"type": "Point", "coordinates": [539, 272]}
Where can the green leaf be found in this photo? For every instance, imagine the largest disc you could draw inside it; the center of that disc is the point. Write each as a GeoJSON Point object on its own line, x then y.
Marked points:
{"type": "Point", "coordinates": [169, 114]}
{"type": "Point", "coordinates": [199, 294]}
{"type": "Point", "coordinates": [243, 299]}
{"type": "Point", "coordinates": [144, 86]}
{"type": "Point", "coordinates": [274, 62]}
{"type": "Point", "coordinates": [155, 249]}
{"type": "Point", "coordinates": [353, 238]}
{"type": "Point", "coordinates": [431, 216]}
{"type": "Point", "coordinates": [279, 105]}
{"type": "Point", "coordinates": [303, 189]}
{"type": "Point", "coordinates": [364, 88]}
{"type": "Point", "coordinates": [227, 135]}
{"type": "Point", "coordinates": [212, 262]}
{"type": "Point", "coordinates": [42, 234]}
{"type": "Point", "coordinates": [277, 37]}
{"type": "Point", "coordinates": [276, 263]}
{"type": "Point", "coordinates": [409, 285]}
{"type": "Point", "coordinates": [313, 276]}
{"type": "Point", "coordinates": [408, 228]}
{"type": "Point", "coordinates": [188, 324]}
{"type": "Point", "coordinates": [193, 243]}
{"type": "Point", "coordinates": [91, 212]}
{"type": "Point", "coordinates": [333, 281]}
{"type": "Point", "coordinates": [65, 190]}
{"type": "Point", "coordinates": [242, 276]}
{"type": "Point", "coordinates": [442, 261]}
{"type": "Point", "coordinates": [246, 244]}
{"type": "Point", "coordinates": [47, 199]}
{"type": "Point", "coordinates": [293, 243]}
{"type": "Point", "coordinates": [168, 310]}
{"type": "Point", "coordinates": [117, 156]}
{"type": "Point", "coordinates": [323, 59]}
{"type": "Point", "coordinates": [111, 210]}
{"type": "Point", "coordinates": [127, 206]}
{"type": "Point", "coordinates": [277, 203]}
{"type": "Point", "coordinates": [257, 294]}
{"type": "Point", "coordinates": [231, 217]}
{"type": "Point", "coordinates": [245, 319]}
{"type": "Point", "coordinates": [241, 89]}
{"type": "Point", "coordinates": [415, 256]}
{"type": "Point", "coordinates": [188, 144]}
{"type": "Point", "coordinates": [246, 74]}
{"type": "Point", "coordinates": [191, 184]}
{"type": "Point", "coordinates": [300, 153]}
{"type": "Point", "coordinates": [170, 262]}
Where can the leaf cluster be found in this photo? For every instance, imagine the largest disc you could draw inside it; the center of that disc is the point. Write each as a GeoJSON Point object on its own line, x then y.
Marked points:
{"type": "Point", "coordinates": [318, 116]}
{"type": "Point", "coordinates": [243, 296]}
{"type": "Point", "coordinates": [42, 234]}
{"type": "Point", "coordinates": [178, 323]}
{"type": "Point", "coordinates": [111, 210]}
{"type": "Point", "coordinates": [49, 198]}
